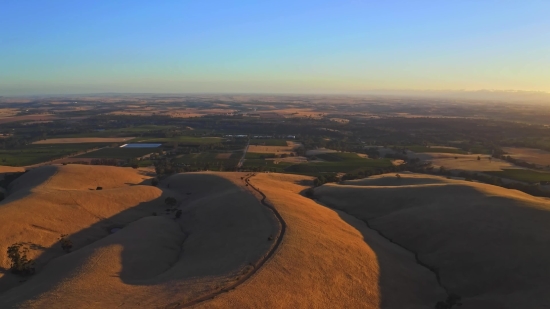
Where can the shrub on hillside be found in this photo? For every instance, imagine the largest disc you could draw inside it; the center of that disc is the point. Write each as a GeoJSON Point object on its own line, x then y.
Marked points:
{"type": "Point", "coordinates": [20, 263]}
{"type": "Point", "coordinates": [66, 243]}
{"type": "Point", "coordinates": [449, 303]}
{"type": "Point", "coordinates": [170, 201]}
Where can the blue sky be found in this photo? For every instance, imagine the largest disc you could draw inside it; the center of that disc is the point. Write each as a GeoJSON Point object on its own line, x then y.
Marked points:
{"type": "Point", "coordinates": [346, 46]}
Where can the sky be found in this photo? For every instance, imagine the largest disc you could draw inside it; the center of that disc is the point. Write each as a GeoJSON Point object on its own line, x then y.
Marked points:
{"type": "Point", "coordinates": [343, 46]}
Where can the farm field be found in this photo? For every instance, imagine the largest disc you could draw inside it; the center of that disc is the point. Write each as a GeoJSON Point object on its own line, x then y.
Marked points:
{"type": "Point", "coordinates": [181, 140]}
{"type": "Point", "coordinates": [118, 153]}
{"type": "Point", "coordinates": [524, 175]}
{"type": "Point", "coordinates": [78, 140]}
{"type": "Point", "coordinates": [530, 155]}
{"type": "Point", "coordinates": [28, 118]}
{"type": "Point", "coordinates": [268, 142]}
{"type": "Point", "coordinates": [287, 149]}
{"type": "Point", "coordinates": [441, 149]}
{"type": "Point", "coordinates": [333, 163]}
{"type": "Point", "coordinates": [466, 162]}
{"type": "Point", "coordinates": [121, 132]}
{"type": "Point", "coordinates": [289, 159]}
{"type": "Point", "coordinates": [212, 161]}
{"type": "Point", "coordinates": [340, 156]}
{"type": "Point", "coordinates": [34, 154]}
{"type": "Point", "coordinates": [336, 167]}
{"type": "Point", "coordinates": [314, 152]}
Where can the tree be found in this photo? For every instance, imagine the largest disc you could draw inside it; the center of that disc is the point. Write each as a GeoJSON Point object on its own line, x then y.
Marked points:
{"type": "Point", "coordinates": [66, 243]}
{"type": "Point", "coordinates": [20, 263]}
{"type": "Point", "coordinates": [449, 303]}
{"type": "Point", "coordinates": [170, 201]}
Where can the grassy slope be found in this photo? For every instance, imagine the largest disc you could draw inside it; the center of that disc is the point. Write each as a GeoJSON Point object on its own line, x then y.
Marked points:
{"type": "Point", "coordinates": [142, 265]}
{"type": "Point", "coordinates": [329, 260]}
{"type": "Point", "coordinates": [486, 241]}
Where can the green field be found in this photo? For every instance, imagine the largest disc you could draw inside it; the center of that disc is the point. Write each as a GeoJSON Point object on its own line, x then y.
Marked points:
{"type": "Point", "coordinates": [204, 158]}
{"type": "Point", "coordinates": [435, 149]}
{"type": "Point", "coordinates": [528, 176]}
{"type": "Point", "coordinates": [255, 156]}
{"type": "Point", "coordinates": [340, 166]}
{"type": "Point", "coordinates": [130, 131]}
{"type": "Point", "coordinates": [34, 154]}
{"type": "Point", "coordinates": [119, 153]}
{"type": "Point", "coordinates": [268, 142]}
{"type": "Point", "coordinates": [340, 156]}
{"type": "Point", "coordinates": [335, 163]}
{"type": "Point", "coordinates": [267, 164]}
{"type": "Point", "coordinates": [181, 140]}
{"type": "Point", "coordinates": [237, 154]}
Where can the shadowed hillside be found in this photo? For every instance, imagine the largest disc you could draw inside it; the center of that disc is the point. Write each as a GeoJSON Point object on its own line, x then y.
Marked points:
{"type": "Point", "coordinates": [488, 244]}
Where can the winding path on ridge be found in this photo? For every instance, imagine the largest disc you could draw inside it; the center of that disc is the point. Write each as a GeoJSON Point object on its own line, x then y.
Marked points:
{"type": "Point", "coordinates": [277, 238]}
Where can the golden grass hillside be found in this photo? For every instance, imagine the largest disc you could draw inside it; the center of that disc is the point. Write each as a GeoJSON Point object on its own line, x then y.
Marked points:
{"type": "Point", "coordinates": [53, 200]}
{"type": "Point", "coordinates": [489, 243]}
{"type": "Point", "coordinates": [326, 259]}
{"type": "Point", "coordinates": [329, 260]}
{"type": "Point", "coordinates": [152, 261]}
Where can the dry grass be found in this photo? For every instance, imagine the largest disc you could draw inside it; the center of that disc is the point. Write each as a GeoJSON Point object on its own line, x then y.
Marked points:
{"type": "Point", "coordinates": [486, 241]}
{"type": "Point", "coordinates": [161, 262]}
{"type": "Point", "coordinates": [530, 155]}
{"type": "Point", "coordinates": [397, 162]}
{"type": "Point", "coordinates": [147, 264]}
{"type": "Point", "coordinates": [11, 169]}
{"type": "Point", "coordinates": [79, 140]}
{"type": "Point", "coordinates": [8, 112]}
{"type": "Point", "coordinates": [329, 260]}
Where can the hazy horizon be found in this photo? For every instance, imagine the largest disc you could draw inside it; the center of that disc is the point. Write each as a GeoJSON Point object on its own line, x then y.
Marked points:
{"type": "Point", "coordinates": [322, 47]}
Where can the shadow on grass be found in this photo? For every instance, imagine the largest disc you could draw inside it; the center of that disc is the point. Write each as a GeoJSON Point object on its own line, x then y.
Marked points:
{"type": "Point", "coordinates": [403, 283]}
{"type": "Point", "coordinates": [229, 260]}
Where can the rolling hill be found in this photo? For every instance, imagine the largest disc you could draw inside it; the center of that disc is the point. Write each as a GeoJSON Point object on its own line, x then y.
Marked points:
{"type": "Point", "coordinates": [486, 243]}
